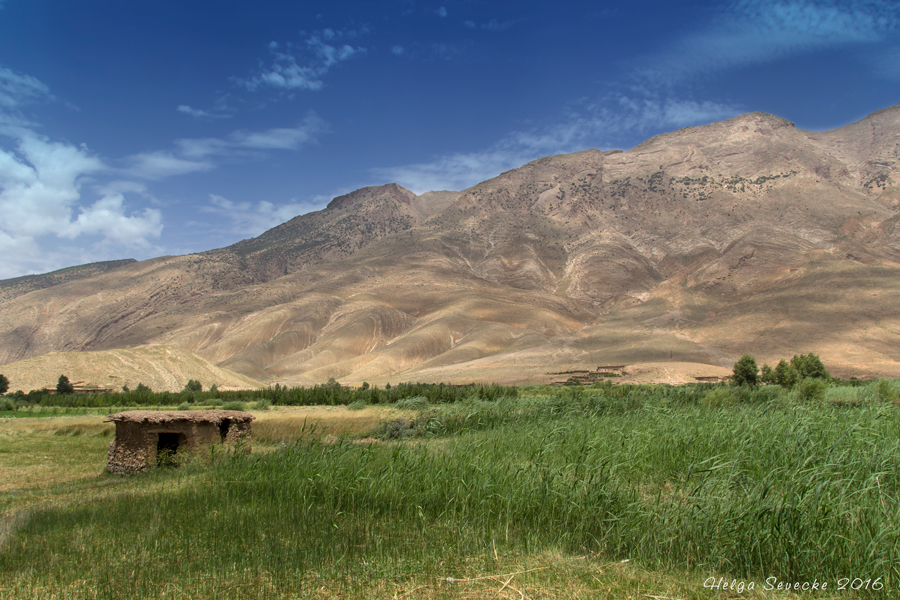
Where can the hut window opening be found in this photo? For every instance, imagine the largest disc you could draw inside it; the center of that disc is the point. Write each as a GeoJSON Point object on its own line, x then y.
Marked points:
{"type": "Point", "coordinates": [224, 426]}
{"type": "Point", "coordinates": [166, 448]}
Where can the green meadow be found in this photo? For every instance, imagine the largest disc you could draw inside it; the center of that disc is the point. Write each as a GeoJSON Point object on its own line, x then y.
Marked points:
{"type": "Point", "coordinates": [702, 491]}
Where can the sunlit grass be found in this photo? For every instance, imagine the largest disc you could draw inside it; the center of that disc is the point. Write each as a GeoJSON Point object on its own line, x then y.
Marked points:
{"type": "Point", "coordinates": [534, 497]}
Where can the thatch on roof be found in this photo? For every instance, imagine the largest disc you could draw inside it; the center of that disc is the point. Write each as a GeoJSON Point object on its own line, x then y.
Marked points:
{"type": "Point", "coordinates": [189, 416]}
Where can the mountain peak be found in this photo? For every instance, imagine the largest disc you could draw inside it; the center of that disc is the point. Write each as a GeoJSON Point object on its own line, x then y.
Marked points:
{"type": "Point", "coordinates": [391, 190]}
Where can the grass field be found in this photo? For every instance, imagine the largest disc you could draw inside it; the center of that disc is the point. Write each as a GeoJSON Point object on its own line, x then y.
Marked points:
{"type": "Point", "coordinates": [612, 492]}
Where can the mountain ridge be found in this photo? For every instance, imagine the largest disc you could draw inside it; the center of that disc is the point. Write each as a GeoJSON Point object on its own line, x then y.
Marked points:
{"type": "Point", "coordinates": [696, 245]}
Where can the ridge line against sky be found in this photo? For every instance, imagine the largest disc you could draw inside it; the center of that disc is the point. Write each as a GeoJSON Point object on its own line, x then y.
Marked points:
{"type": "Point", "coordinates": [168, 129]}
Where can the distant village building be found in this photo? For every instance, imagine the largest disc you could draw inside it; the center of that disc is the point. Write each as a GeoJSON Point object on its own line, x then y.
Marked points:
{"type": "Point", "coordinates": [146, 438]}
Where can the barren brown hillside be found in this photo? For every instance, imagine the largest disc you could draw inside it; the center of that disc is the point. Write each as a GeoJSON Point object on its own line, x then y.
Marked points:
{"type": "Point", "coordinates": [696, 246]}
{"type": "Point", "coordinates": [161, 368]}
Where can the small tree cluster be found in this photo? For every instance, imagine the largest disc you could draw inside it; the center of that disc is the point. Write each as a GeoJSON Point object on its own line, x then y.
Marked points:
{"type": "Point", "coordinates": [193, 386]}
{"type": "Point", "coordinates": [4, 384]}
{"type": "Point", "coordinates": [787, 374]}
{"type": "Point", "coordinates": [801, 366]}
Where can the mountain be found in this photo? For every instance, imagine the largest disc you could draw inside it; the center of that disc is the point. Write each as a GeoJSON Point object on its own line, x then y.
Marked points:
{"type": "Point", "coordinates": [696, 246]}
{"type": "Point", "coordinates": [10, 288]}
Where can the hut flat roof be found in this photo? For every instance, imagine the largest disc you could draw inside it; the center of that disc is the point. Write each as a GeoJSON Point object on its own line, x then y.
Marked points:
{"type": "Point", "coordinates": [191, 416]}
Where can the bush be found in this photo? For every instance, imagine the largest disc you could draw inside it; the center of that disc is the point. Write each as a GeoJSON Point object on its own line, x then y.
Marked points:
{"type": "Point", "coordinates": [263, 404]}
{"type": "Point", "coordinates": [234, 405]}
{"type": "Point", "coordinates": [414, 403]}
{"type": "Point", "coordinates": [719, 398]}
{"type": "Point", "coordinates": [809, 390]}
{"type": "Point", "coordinates": [7, 404]}
{"type": "Point", "coordinates": [357, 405]}
{"type": "Point", "coordinates": [193, 386]}
{"type": "Point", "coordinates": [184, 406]}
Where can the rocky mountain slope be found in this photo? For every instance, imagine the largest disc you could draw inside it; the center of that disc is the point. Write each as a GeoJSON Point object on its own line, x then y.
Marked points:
{"type": "Point", "coordinates": [696, 246]}
{"type": "Point", "coordinates": [17, 286]}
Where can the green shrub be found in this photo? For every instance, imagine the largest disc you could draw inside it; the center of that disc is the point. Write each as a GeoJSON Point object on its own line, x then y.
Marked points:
{"type": "Point", "coordinates": [414, 403]}
{"type": "Point", "coordinates": [810, 390]}
{"type": "Point", "coordinates": [234, 405]}
{"type": "Point", "coordinates": [357, 405]}
{"type": "Point", "coordinates": [184, 406]}
{"type": "Point", "coordinates": [263, 404]}
{"type": "Point", "coordinates": [719, 398]}
{"type": "Point", "coordinates": [7, 404]}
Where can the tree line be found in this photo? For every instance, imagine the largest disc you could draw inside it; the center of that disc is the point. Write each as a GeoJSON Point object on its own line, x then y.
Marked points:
{"type": "Point", "coordinates": [329, 394]}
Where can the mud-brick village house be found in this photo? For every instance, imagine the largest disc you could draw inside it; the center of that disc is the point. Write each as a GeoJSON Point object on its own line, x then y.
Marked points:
{"type": "Point", "coordinates": [146, 438]}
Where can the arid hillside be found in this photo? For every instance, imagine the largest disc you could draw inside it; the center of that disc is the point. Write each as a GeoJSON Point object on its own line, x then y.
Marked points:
{"type": "Point", "coordinates": [161, 368]}
{"type": "Point", "coordinates": [695, 247]}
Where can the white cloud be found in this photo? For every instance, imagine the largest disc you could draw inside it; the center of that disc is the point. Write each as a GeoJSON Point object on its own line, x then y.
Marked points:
{"type": "Point", "coordinates": [398, 50]}
{"type": "Point", "coordinates": [107, 217]}
{"type": "Point", "coordinates": [40, 187]}
{"type": "Point", "coordinates": [252, 220]}
{"type": "Point", "coordinates": [317, 56]}
{"type": "Point", "coordinates": [599, 124]}
{"type": "Point", "coordinates": [40, 184]}
{"type": "Point", "coordinates": [441, 12]}
{"type": "Point", "coordinates": [759, 31]}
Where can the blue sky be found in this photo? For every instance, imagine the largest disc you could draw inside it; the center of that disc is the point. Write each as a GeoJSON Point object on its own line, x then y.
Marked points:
{"type": "Point", "coordinates": [138, 129]}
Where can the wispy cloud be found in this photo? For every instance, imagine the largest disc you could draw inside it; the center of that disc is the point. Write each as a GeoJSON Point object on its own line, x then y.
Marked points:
{"type": "Point", "coordinates": [492, 25]}
{"type": "Point", "coordinates": [253, 219]}
{"type": "Point", "coordinates": [17, 89]}
{"type": "Point", "coordinates": [398, 50]}
{"type": "Point", "coordinates": [758, 31]}
{"type": "Point", "coordinates": [600, 124]}
{"type": "Point", "coordinates": [202, 114]}
{"type": "Point", "coordinates": [303, 67]}
{"type": "Point", "coordinates": [441, 11]}
{"type": "Point", "coordinates": [162, 164]}
{"type": "Point", "coordinates": [198, 154]}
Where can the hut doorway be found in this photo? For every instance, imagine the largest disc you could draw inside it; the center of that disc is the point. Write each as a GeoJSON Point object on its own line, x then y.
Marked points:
{"type": "Point", "coordinates": [224, 426]}
{"type": "Point", "coordinates": [166, 448]}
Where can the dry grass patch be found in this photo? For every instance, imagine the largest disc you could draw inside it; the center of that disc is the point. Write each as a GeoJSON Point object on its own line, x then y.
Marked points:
{"type": "Point", "coordinates": [38, 453]}
{"type": "Point", "coordinates": [289, 423]}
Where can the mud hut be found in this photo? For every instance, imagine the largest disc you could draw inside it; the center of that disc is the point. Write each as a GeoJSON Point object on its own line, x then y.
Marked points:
{"type": "Point", "coordinates": [145, 438]}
